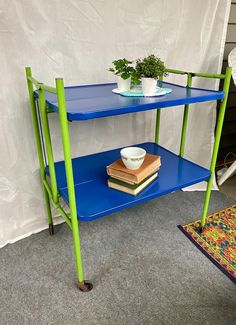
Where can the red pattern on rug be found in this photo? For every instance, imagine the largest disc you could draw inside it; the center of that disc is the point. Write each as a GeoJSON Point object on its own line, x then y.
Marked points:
{"type": "Point", "coordinates": [217, 240]}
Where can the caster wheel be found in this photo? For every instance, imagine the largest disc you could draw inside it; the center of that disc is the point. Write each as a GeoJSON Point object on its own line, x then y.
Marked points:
{"type": "Point", "coordinates": [51, 229]}
{"type": "Point", "coordinates": [199, 228]}
{"type": "Point", "coordinates": [85, 286]}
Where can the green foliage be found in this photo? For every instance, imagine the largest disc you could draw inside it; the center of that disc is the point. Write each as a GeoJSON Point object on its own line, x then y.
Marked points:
{"type": "Point", "coordinates": [135, 79]}
{"type": "Point", "coordinates": [150, 67]}
{"type": "Point", "coordinates": [122, 68]}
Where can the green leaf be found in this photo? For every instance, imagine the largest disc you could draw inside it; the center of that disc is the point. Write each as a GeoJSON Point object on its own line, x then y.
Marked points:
{"type": "Point", "coordinates": [121, 67]}
{"type": "Point", "coordinates": [150, 67]}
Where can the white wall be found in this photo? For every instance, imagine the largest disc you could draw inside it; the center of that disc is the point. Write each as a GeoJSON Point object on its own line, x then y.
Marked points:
{"type": "Point", "coordinates": [78, 40]}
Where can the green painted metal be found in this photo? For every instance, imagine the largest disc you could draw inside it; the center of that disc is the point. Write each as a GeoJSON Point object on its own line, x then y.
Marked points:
{"type": "Point", "coordinates": [38, 142]}
{"type": "Point", "coordinates": [209, 75]}
{"type": "Point", "coordinates": [58, 206]}
{"type": "Point", "coordinates": [40, 85]}
{"type": "Point", "coordinates": [33, 80]}
{"type": "Point", "coordinates": [48, 144]}
{"type": "Point", "coordinates": [50, 111]}
{"type": "Point", "coordinates": [185, 120]}
{"type": "Point", "coordinates": [64, 216]}
{"type": "Point", "coordinates": [216, 144]}
{"type": "Point", "coordinates": [48, 88]}
{"type": "Point", "coordinates": [69, 175]}
{"type": "Point", "coordinates": [158, 122]}
{"type": "Point", "coordinates": [197, 74]}
{"type": "Point", "coordinates": [190, 75]}
{"type": "Point", "coordinates": [50, 190]}
{"type": "Point", "coordinates": [174, 71]}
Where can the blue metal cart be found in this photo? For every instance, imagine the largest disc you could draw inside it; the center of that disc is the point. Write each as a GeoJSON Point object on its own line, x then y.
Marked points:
{"type": "Point", "coordinates": [82, 181]}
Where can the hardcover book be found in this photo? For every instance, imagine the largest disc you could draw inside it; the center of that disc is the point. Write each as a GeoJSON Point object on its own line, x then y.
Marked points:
{"type": "Point", "coordinates": [132, 189]}
{"type": "Point", "coordinates": [150, 165]}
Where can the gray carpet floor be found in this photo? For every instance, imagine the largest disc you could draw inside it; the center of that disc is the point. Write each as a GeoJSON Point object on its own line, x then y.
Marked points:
{"type": "Point", "coordinates": [144, 270]}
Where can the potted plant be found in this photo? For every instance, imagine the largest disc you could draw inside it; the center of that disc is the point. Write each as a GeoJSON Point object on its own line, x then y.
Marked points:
{"type": "Point", "coordinates": [123, 70]}
{"type": "Point", "coordinates": [149, 69]}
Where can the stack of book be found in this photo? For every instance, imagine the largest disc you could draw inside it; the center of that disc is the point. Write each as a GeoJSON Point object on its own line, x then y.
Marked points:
{"type": "Point", "coordinates": [133, 181]}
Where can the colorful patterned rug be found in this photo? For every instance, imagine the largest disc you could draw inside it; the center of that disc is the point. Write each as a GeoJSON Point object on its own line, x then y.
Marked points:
{"type": "Point", "coordinates": [217, 240]}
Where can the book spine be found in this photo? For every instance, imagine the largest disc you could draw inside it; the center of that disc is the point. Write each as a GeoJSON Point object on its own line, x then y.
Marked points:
{"type": "Point", "coordinates": [135, 179]}
{"type": "Point", "coordinates": [150, 170]}
{"type": "Point", "coordinates": [132, 191]}
{"type": "Point", "coordinates": [123, 180]}
{"type": "Point", "coordinates": [124, 176]}
{"type": "Point", "coordinates": [120, 188]}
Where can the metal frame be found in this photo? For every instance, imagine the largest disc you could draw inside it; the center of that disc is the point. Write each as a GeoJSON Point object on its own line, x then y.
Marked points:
{"type": "Point", "coordinates": [51, 190]}
{"type": "Point", "coordinates": [43, 140]}
{"type": "Point", "coordinates": [227, 78]}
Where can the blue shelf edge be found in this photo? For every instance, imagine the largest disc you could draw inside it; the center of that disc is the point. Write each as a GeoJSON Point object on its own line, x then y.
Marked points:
{"type": "Point", "coordinates": [93, 197]}
{"type": "Point", "coordinates": [96, 101]}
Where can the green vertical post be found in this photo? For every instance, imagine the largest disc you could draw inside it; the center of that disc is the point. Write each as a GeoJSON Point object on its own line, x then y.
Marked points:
{"type": "Point", "coordinates": [158, 120]}
{"type": "Point", "coordinates": [185, 120]}
{"type": "Point", "coordinates": [84, 286]}
{"type": "Point", "coordinates": [39, 146]}
{"type": "Point", "coordinates": [48, 145]}
{"type": "Point", "coordinates": [217, 142]}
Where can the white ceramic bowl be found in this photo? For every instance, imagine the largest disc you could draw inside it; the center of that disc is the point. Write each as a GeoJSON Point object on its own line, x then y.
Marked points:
{"type": "Point", "coordinates": [133, 157]}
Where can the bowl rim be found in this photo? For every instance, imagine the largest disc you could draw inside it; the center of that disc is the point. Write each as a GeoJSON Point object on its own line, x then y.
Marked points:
{"type": "Point", "coordinates": [127, 155]}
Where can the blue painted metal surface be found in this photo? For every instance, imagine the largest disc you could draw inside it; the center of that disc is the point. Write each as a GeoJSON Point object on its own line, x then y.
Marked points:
{"type": "Point", "coordinates": [94, 101]}
{"type": "Point", "coordinates": [93, 197]}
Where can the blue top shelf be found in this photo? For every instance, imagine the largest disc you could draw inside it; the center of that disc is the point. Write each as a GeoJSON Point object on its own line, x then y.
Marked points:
{"type": "Point", "coordinates": [94, 101]}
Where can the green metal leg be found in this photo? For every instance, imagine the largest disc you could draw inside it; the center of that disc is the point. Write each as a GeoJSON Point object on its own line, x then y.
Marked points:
{"type": "Point", "coordinates": [158, 119]}
{"type": "Point", "coordinates": [206, 201]}
{"type": "Point", "coordinates": [185, 120]}
{"type": "Point", "coordinates": [49, 212]}
{"type": "Point", "coordinates": [216, 144]}
{"type": "Point", "coordinates": [48, 145]}
{"type": "Point", "coordinates": [83, 284]}
{"type": "Point", "coordinates": [39, 149]}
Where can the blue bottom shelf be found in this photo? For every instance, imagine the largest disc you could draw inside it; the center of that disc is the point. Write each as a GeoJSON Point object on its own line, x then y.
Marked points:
{"type": "Point", "coordinates": [95, 199]}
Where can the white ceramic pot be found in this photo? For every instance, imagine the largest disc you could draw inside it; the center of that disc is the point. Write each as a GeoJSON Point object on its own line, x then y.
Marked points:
{"type": "Point", "coordinates": [133, 157]}
{"type": "Point", "coordinates": [123, 84]}
{"type": "Point", "coordinates": [149, 86]}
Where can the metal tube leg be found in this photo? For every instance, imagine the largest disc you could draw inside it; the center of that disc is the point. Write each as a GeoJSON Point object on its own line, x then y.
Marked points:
{"type": "Point", "coordinates": [158, 122]}
{"type": "Point", "coordinates": [216, 144]}
{"type": "Point", "coordinates": [39, 148]}
{"type": "Point", "coordinates": [48, 145]}
{"type": "Point", "coordinates": [49, 211]}
{"type": "Point", "coordinates": [83, 284]}
{"type": "Point", "coordinates": [185, 121]}
{"type": "Point", "coordinates": [206, 201]}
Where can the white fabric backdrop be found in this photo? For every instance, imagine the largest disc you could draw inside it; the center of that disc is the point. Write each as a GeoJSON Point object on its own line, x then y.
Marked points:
{"type": "Point", "coordinates": [78, 40]}
{"type": "Point", "coordinates": [232, 63]}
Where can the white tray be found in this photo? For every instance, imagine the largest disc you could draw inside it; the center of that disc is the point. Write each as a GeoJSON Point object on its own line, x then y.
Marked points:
{"type": "Point", "coordinates": [137, 92]}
